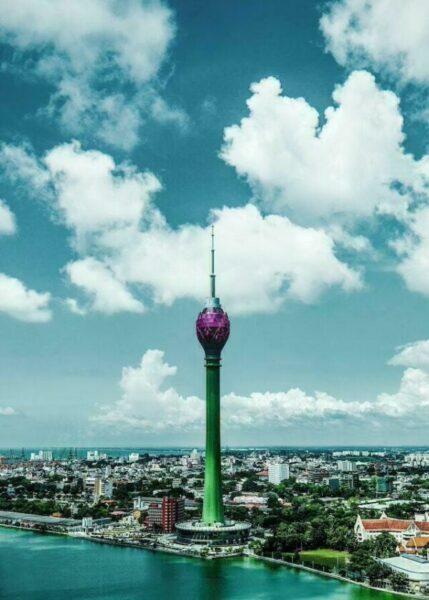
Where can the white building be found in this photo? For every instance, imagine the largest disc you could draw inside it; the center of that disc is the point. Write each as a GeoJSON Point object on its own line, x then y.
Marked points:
{"type": "Point", "coordinates": [133, 457]}
{"type": "Point", "coordinates": [278, 472]}
{"type": "Point", "coordinates": [417, 459]}
{"type": "Point", "coordinates": [87, 523]}
{"type": "Point", "coordinates": [195, 458]}
{"type": "Point", "coordinates": [43, 455]}
{"type": "Point", "coordinates": [346, 466]}
{"type": "Point", "coordinates": [414, 567]}
{"type": "Point", "coordinates": [401, 529]}
{"type": "Point", "coordinates": [92, 455]}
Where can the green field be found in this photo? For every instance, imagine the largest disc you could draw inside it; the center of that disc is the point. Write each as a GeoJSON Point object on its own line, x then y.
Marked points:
{"type": "Point", "coordinates": [324, 557]}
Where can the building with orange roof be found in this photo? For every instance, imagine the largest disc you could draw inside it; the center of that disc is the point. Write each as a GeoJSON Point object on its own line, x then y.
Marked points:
{"type": "Point", "coordinates": [402, 530]}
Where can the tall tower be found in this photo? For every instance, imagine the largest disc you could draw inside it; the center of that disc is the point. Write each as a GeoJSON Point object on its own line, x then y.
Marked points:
{"type": "Point", "coordinates": [212, 332]}
{"type": "Point", "coordinates": [213, 530]}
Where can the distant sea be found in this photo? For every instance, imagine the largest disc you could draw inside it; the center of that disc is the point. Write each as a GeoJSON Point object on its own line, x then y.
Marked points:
{"type": "Point", "coordinates": [65, 452]}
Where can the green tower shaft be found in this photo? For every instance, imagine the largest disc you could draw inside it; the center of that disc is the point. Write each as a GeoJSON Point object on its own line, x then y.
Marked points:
{"type": "Point", "coordinates": [213, 505]}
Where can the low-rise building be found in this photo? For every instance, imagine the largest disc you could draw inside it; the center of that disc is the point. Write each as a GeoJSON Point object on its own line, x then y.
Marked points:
{"type": "Point", "coordinates": [401, 529]}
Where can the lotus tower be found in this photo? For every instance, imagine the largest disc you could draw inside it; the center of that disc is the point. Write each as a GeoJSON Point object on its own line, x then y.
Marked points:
{"type": "Point", "coordinates": [212, 329]}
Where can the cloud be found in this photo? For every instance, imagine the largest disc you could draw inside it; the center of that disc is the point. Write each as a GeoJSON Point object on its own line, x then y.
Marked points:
{"type": "Point", "coordinates": [21, 303]}
{"type": "Point", "coordinates": [148, 404]}
{"type": "Point", "coordinates": [413, 249]}
{"type": "Point", "coordinates": [123, 242]}
{"type": "Point", "coordinates": [410, 401]}
{"type": "Point", "coordinates": [102, 59]}
{"type": "Point", "coordinates": [350, 166]}
{"type": "Point", "coordinates": [282, 261]}
{"type": "Point", "coordinates": [16, 300]}
{"type": "Point", "coordinates": [108, 294]}
{"type": "Point", "coordinates": [21, 165]}
{"type": "Point", "coordinates": [74, 307]}
{"type": "Point", "coordinates": [7, 220]}
{"type": "Point", "coordinates": [415, 354]}
{"type": "Point", "coordinates": [7, 411]}
{"type": "Point", "coordinates": [93, 194]}
{"type": "Point", "coordinates": [387, 35]}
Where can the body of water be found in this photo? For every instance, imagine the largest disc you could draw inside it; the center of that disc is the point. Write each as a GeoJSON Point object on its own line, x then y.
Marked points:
{"type": "Point", "coordinates": [42, 567]}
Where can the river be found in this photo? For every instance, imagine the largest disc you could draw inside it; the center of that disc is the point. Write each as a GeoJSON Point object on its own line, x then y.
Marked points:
{"type": "Point", "coordinates": [44, 567]}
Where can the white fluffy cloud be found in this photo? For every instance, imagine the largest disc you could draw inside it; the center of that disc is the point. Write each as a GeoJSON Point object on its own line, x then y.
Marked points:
{"type": "Point", "coordinates": [127, 250]}
{"type": "Point", "coordinates": [94, 194]}
{"type": "Point", "coordinates": [415, 354]}
{"type": "Point", "coordinates": [100, 57]}
{"type": "Point", "coordinates": [145, 404]}
{"type": "Point", "coordinates": [411, 400]}
{"type": "Point", "coordinates": [7, 220]}
{"type": "Point", "coordinates": [387, 35]}
{"type": "Point", "coordinates": [283, 260]}
{"type": "Point", "coordinates": [350, 166]}
{"type": "Point", "coordinates": [21, 303]}
{"type": "Point", "coordinates": [148, 404]}
{"type": "Point", "coordinates": [16, 300]}
{"type": "Point", "coordinates": [108, 295]}
{"type": "Point", "coordinates": [413, 248]}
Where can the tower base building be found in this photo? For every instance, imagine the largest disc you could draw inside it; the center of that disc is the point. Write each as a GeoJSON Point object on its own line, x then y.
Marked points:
{"type": "Point", "coordinates": [229, 533]}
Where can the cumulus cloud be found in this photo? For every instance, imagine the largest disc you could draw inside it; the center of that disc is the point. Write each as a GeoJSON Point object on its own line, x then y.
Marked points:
{"type": "Point", "coordinates": [415, 354]}
{"type": "Point", "coordinates": [16, 300]}
{"type": "Point", "coordinates": [108, 295]}
{"type": "Point", "coordinates": [93, 194]}
{"type": "Point", "coordinates": [411, 400]}
{"type": "Point", "coordinates": [145, 404]}
{"type": "Point", "coordinates": [129, 256]}
{"type": "Point", "coordinates": [22, 303]}
{"type": "Point", "coordinates": [350, 166]}
{"type": "Point", "coordinates": [283, 261]}
{"type": "Point", "coordinates": [148, 404]}
{"type": "Point", "coordinates": [7, 220]}
{"type": "Point", "coordinates": [387, 35]}
{"type": "Point", "coordinates": [21, 165]}
{"type": "Point", "coordinates": [101, 57]}
{"type": "Point", "coordinates": [413, 249]}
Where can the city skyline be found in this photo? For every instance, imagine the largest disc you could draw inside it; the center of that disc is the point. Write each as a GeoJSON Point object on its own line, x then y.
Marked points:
{"type": "Point", "coordinates": [126, 135]}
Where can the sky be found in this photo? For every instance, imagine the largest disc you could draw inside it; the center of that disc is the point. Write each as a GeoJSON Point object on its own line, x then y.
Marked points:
{"type": "Point", "coordinates": [299, 130]}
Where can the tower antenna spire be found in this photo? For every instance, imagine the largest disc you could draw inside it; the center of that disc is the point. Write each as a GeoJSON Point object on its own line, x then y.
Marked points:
{"type": "Point", "coordinates": [212, 275]}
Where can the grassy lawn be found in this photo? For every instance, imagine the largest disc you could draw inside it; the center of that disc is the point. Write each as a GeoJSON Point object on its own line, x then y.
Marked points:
{"type": "Point", "coordinates": [325, 557]}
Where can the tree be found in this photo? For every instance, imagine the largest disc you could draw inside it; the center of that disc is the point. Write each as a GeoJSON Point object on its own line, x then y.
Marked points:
{"type": "Point", "coordinates": [384, 545]}
{"type": "Point", "coordinates": [399, 581]}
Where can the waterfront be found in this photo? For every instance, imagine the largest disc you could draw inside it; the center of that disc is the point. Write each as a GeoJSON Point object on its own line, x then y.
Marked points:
{"type": "Point", "coordinates": [42, 567]}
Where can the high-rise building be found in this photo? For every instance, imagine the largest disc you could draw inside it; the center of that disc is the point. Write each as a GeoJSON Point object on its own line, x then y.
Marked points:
{"type": "Point", "coordinates": [43, 455]}
{"type": "Point", "coordinates": [92, 455]}
{"type": "Point", "coordinates": [346, 466]}
{"type": "Point", "coordinates": [98, 488]}
{"type": "Point", "coordinates": [195, 458]}
{"type": "Point", "coordinates": [278, 472]}
{"type": "Point", "coordinates": [212, 329]}
{"type": "Point", "coordinates": [164, 513]}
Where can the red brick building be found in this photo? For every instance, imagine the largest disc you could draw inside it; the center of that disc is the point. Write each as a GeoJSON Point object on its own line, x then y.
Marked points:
{"type": "Point", "coordinates": [164, 513]}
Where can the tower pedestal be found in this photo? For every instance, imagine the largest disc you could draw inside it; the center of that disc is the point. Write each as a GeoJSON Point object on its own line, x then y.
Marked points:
{"type": "Point", "coordinates": [229, 533]}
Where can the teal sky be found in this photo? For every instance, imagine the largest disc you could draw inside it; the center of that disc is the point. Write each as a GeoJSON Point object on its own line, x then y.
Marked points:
{"type": "Point", "coordinates": [322, 227]}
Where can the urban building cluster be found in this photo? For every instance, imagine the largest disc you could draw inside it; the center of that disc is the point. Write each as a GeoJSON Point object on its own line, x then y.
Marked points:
{"type": "Point", "coordinates": [140, 497]}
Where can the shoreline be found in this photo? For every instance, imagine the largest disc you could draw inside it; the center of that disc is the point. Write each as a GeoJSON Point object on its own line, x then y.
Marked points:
{"type": "Point", "coordinates": [289, 565]}
{"type": "Point", "coordinates": [247, 554]}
